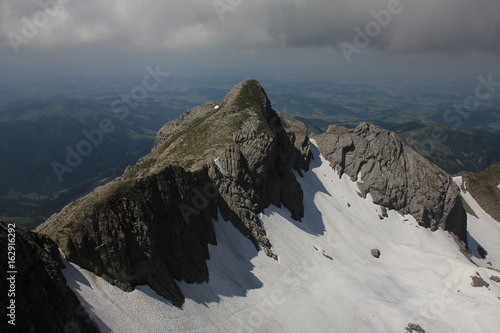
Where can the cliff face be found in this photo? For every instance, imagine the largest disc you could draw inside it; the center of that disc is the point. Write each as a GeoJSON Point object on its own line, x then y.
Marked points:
{"type": "Point", "coordinates": [152, 225]}
{"type": "Point", "coordinates": [43, 301]}
{"type": "Point", "coordinates": [396, 176]}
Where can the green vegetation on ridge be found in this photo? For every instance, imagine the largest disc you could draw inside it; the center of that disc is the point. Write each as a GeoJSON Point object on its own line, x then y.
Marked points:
{"type": "Point", "coordinates": [452, 148]}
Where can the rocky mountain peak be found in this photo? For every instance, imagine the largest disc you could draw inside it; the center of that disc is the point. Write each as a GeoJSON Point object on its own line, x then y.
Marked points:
{"type": "Point", "coordinates": [247, 94]}
{"type": "Point", "coordinates": [152, 225]}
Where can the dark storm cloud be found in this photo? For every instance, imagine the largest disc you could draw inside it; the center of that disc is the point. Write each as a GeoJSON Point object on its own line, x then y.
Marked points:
{"type": "Point", "coordinates": [421, 26]}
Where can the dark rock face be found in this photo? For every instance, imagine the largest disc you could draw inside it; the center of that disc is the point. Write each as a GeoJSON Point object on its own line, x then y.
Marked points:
{"type": "Point", "coordinates": [297, 133]}
{"type": "Point", "coordinates": [134, 232]}
{"type": "Point", "coordinates": [152, 225]}
{"type": "Point", "coordinates": [257, 166]}
{"type": "Point", "coordinates": [396, 176]}
{"type": "Point", "coordinates": [44, 303]}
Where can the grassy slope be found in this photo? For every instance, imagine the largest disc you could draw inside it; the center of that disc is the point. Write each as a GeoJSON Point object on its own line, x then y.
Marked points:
{"type": "Point", "coordinates": [484, 188]}
{"type": "Point", "coordinates": [193, 146]}
{"type": "Point", "coordinates": [454, 149]}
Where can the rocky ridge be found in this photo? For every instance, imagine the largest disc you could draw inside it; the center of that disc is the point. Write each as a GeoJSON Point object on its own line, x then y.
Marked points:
{"type": "Point", "coordinates": [43, 301]}
{"type": "Point", "coordinates": [152, 225]}
{"type": "Point", "coordinates": [396, 176]}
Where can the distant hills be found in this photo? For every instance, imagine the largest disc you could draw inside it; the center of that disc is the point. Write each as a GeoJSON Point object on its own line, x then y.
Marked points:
{"type": "Point", "coordinates": [486, 119]}
{"type": "Point", "coordinates": [54, 150]}
{"type": "Point", "coordinates": [452, 148]}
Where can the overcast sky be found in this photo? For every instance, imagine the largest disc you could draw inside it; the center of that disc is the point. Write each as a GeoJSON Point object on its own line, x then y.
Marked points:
{"type": "Point", "coordinates": [447, 36]}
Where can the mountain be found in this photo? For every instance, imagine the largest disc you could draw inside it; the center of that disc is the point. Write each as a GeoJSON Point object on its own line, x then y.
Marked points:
{"type": "Point", "coordinates": [452, 148]}
{"type": "Point", "coordinates": [420, 278]}
{"type": "Point", "coordinates": [161, 207]}
{"type": "Point", "coordinates": [238, 221]}
{"type": "Point", "coordinates": [396, 176]}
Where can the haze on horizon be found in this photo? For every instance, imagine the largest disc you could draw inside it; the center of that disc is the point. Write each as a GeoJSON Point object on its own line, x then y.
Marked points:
{"type": "Point", "coordinates": [426, 38]}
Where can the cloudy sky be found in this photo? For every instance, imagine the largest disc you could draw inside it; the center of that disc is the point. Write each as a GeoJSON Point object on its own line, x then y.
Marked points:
{"type": "Point", "coordinates": [288, 36]}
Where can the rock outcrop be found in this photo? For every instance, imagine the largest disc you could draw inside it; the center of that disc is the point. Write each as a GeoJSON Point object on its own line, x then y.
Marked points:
{"type": "Point", "coordinates": [152, 225]}
{"type": "Point", "coordinates": [414, 328]}
{"type": "Point", "coordinates": [396, 176]}
{"type": "Point", "coordinates": [43, 301]}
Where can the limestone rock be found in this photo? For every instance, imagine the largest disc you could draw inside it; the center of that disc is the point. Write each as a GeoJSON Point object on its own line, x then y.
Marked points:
{"type": "Point", "coordinates": [396, 176]}
{"type": "Point", "coordinates": [478, 281]}
{"type": "Point", "coordinates": [297, 132]}
{"type": "Point", "coordinates": [495, 278]}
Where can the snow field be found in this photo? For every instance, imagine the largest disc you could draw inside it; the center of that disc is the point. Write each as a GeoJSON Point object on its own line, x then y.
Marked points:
{"type": "Point", "coordinates": [420, 277]}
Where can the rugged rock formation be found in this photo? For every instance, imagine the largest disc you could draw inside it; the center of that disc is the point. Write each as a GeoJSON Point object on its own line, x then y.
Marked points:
{"type": "Point", "coordinates": [396, 176]}
{"type": "Point", "coordinates": [152, 225]}
{"type": "Point", "coordinates": [297, 133]}
{"type": "Point", "coordinates": [43, 301]}
{"type": "Point", "coordinates": [133, 232]}
{"type": "Point", "coordinates": [478, 281]}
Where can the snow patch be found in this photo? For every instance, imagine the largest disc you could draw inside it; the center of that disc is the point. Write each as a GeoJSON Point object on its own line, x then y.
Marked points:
{"type": "Point", "coordinates": [218, 164]}
{"type": "Point", "coordinates": [458, 180]}
{"type": "Point", "coordinates": [483, 231]}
